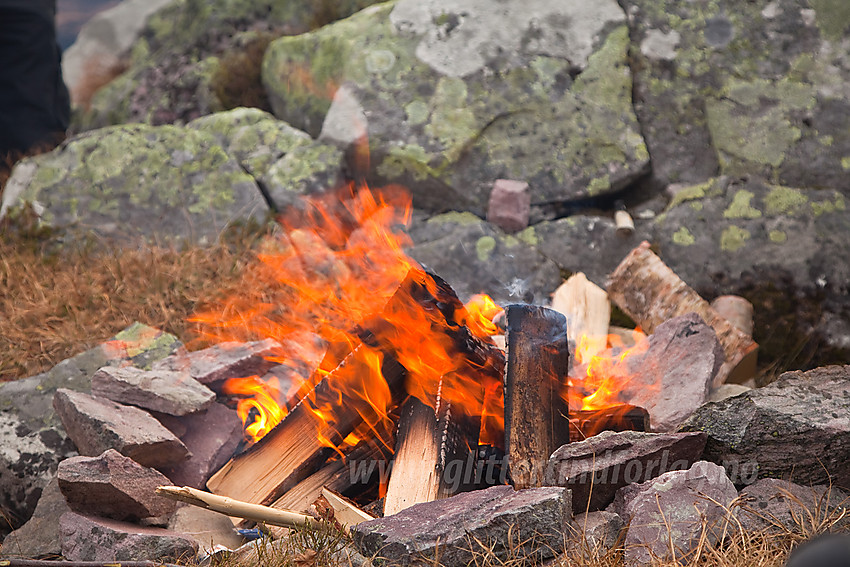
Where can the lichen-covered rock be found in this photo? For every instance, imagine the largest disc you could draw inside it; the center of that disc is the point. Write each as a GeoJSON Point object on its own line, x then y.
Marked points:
{"type": "Point", "coordinates": [755, 88]}
{"type": "Point", "coordinates": [755, 238]}
{"type": "Point", "coordinates": [32, 439]}
{"type": "Point", "coordinates": [452, 99]}
{"type": "Point", "coordinates": [287, 161]}
{"type": "Point", "coordinates": [137, 181]}
{"type": "Point", "coordinates": [476, 257]}
{"type": "Point", "coordinates": [174, 65]}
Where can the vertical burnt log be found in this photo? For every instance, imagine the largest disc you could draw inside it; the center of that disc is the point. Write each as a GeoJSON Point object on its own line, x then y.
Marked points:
{"type": "Point", "coordinates": [536, 414]}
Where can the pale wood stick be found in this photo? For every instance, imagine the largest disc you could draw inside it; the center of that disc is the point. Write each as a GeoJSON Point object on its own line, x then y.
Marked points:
{"type": "Point", "coordinates": [231, 507]}
{"type": "Point", "coordinates": [345, 511]}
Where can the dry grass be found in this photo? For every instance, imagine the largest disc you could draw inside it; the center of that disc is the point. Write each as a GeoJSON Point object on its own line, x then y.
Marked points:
{"type": "Point", "coordinates": [54, 304]}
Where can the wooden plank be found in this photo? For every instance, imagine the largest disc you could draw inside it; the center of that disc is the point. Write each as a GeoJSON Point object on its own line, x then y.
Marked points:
{"type": "Point", "coordinates": [650, 292]}
{"type": "Point", "coordinates": [536, 413]}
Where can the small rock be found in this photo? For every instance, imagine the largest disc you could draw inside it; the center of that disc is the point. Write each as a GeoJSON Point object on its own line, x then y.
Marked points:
{"type": "Point", "coordinates": [39, 537]}
{"type": "Point", "coordinates": [797, 428]}
{"type": "Point", "coordinates": [113, 486]}
{"type": "Point", "coordinates": [671, 380]}
{"type": "Point", "coordinates": [600, 531]}
{"type": "Point", "coordinates": [212, 366]}
{"type": "Point", "coordinates": [779, 505]}
{"type": "Point", "coordinates": [211, 436]}
{"type": "Point", "coordinates": [95, 425]}
{"type": "Point", "coordinates": [87, 538]}
{"type": "Point", "coordinates": [208, 528]}
{"type": "Point", "coordinates": [596, 468]}
{"type": "Point", "coordinates": [174, 393]}
{"type": "Point", "coordinates": [673, 510]}
{"type": "Point", "coordinates": [510, 205]}
{"type": "Point", "coordinates": [531, 523]}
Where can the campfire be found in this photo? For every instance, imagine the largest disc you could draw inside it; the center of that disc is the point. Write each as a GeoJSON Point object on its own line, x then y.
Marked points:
{"type": "Point", "coordinates": [380, 361]}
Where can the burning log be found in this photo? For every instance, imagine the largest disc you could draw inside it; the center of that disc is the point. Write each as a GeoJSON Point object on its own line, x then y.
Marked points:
{"type": "Point", "coordinates": [651, 293]}
{"type": "Point", "coordinates": [536, 420]}
{"type": "Point", "coordinates": [623, 417]}
{"type": "Point", "coordinates": [428, 443]}
{"type": "Point", "coordinates": [304, 439]}
{"type": "Point", "coordinates": [366, 384]}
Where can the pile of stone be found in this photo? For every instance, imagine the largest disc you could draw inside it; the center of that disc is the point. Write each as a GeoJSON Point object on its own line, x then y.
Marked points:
{"type": "Point", "coordinates": [137, 424]}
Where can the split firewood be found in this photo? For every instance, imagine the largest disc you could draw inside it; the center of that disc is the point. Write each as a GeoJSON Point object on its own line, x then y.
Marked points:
{"type": "Point", "coordinates": [432, 453]}
{"type": "Point", "coordinates": [338, 475]}
{"type": "Point", "coordinates": [588, 312]}
{"type": "Point", "coordinates": [536, 413]}
{"type": "Point", "coordinates": [236, 508]}
{"type": "Point", "coordinates": [650, 293]}
{"type": "Point", "coordinates": [623, 221]}
{"type": "Point", "coordinates": [345, 512]}
{"type": "Point", "coordinates": [305, 438]}
{"type": "Point", "coordinates": [736, 310]}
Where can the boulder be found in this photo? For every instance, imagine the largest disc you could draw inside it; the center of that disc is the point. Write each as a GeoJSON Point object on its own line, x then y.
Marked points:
{"type": "Point", "coordinates": [287, 163]}
{"type": "Point", "coordinates": [192, 55]}
{"type": "Point", "coordinates": [797, 429]}
{"type": "Point", "coordinates": [31, 434]}
{"type": "Point", "coordinates": [164, 391]}
{"type": "Point", "coordinates": [531, 523]}
{"type": "Point", "coordinates": [672, 378]}
{"type": "Point", "coordinates": [755, 89]}
{"type": "Point", "coordinates": [137, 182]}
{"type": "Point", "coordinates": [102, 47]}
{"type": "Point", "coordinates": [39, 537]}
{"type": "Point", "coordinates": [599, 531]}
{"type": "Point", "coordinates": [596, 468]}
{"type": "Point", "coordinates": [476, 257]}
{"type": "Point", "coordinates": [457, 98]}
{"type": "Point", "coordinates": [212, 436]}
{"type": "Point", "coordinates": [674, 511]}
{"type": "Point", "coordinates": [97, 424]}
{"type": "Point", "coordinates": [88, 538]}
{"type": "Point", "coordinates": [780, 506]}
{"type": "Point", "coordinates": [113, 486]}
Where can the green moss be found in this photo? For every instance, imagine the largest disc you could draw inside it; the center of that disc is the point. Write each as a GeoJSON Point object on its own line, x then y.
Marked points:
{"type": "Point", "coordinates": [462, 219]}
{"type": "Point", "coordinates": [833, 17]}
{"type": "Point", "coordinates": [691, 193]}
{"type": "Point", "coordinates": [683, 237]}
{"type": "Point", "coordinates": [484, 248]}
{"type": "Point", "coordinates": [784, 200]}
{"type": "Point", "coordinates": [599, 185]}
{"type": "Point", "coordinates": [828, 206]}
{"type": "Point", "coordinates": [452, 123]}
{"type": "Point", "coordinates": [761, 138]}
{"type": "Point", "coordinates": [845, 163]}
{"type": "Point", "coordinates": [777, 236]}
{"type": "Point", "coordinates": [740, 207]}
{"type": "Point", "coordinates": [529, 236]}
{"type": "Point", "coordinates": [827, 141]}
{"type": "Point", "coordinates": [417, 112]}
{"type": "Point", "coordinates": [733, 238]}
{"type": "Point", "coordinates": [410, 159]}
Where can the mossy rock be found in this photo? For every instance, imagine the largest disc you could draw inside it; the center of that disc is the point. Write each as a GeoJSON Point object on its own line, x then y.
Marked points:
{"type": "Point", "coordinates": [476, 257]}
{"type": "Point", "coordinates": [133, 182]}
{"type": "Point", "coordinates": [450, 101]}
{"type": "Point", "coordinates": [192, 52]}
{"type": "Point", "coordinates": [737, 88]}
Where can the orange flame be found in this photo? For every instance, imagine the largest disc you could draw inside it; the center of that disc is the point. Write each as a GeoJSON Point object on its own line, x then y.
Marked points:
{"type": "Point", "coordinates": [601, 376]}
{"type": "Point", "coordinates": [335, 267]}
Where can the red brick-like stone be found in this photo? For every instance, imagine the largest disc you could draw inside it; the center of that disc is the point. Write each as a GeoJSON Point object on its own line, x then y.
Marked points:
{"type": "Point", "coordinates": [510, 205]}
{"type": "Point", "coordinates": [89, 538]}
{"type": "Point", "coordinates": [164, 391]}
{"type": "Point", "coordinates": [213, 366]}
{"type": "Point", "coordinates": [113, 486]}
{"type": "Point", "coordinates": [97, 424]}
